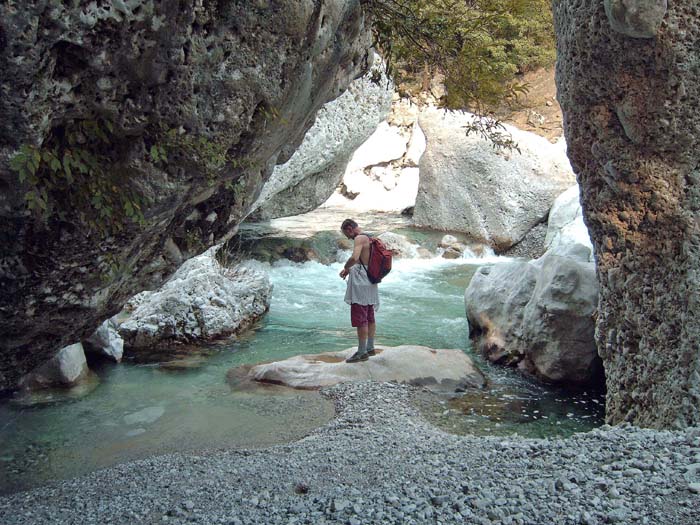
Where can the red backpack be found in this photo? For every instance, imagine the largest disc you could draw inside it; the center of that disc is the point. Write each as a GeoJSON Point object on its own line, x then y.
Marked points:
{"type": "Point", "coordinates": [379, 260]}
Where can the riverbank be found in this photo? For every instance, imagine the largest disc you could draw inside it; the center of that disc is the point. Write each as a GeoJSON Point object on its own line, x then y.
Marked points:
{"type": "Point", "coordinates": [379, 461]}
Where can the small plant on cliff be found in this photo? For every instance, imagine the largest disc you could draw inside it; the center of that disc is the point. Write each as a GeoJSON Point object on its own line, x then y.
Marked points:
{"type": "Point", "coordinates": [479, 46]}
{"type": "Point", "coordinates": [211, 156]}
{"type": "Point", "coordinates": [72, 174]}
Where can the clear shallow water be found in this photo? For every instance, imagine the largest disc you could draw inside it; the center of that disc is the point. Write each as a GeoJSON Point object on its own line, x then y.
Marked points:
{"type": "Point", "coordinates": [137, 410]}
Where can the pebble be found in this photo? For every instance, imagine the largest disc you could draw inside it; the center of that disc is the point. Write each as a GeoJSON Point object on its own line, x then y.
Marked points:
{"type": "Point", "coordinates": [379, 461]}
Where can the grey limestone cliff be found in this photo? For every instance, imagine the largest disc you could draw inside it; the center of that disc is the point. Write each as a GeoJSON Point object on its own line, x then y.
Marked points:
{"type": "Point", "coordinates": [627, 79]}
{"type": "Point", "coordinates": [182, 107]}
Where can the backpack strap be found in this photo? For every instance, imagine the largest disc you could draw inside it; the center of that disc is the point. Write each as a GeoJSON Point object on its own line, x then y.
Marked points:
{"type": "Point", "coordinates": [371, 247]}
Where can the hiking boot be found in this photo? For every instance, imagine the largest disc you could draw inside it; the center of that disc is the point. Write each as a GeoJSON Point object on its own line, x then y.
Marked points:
{"type": "Point", "coordinates": [357, 356]}
{"type": "Point", "coordinates": [371, 352]}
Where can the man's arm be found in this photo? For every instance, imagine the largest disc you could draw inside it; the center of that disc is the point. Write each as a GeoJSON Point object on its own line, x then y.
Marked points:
{"type": "Point", "coordinates": [354, 258]}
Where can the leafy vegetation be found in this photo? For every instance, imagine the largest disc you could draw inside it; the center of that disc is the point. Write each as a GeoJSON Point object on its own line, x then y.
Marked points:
{"type": "Point", "coordinates": [72, 173]}
{"type": "Point", "coordinates": [210, 155]}
{"type": "Point", "coordinates": [479, 46]}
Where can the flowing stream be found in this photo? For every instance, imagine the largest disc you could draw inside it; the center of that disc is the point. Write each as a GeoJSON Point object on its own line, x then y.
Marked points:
{"type": "Point", "coordinates": [137, 410]}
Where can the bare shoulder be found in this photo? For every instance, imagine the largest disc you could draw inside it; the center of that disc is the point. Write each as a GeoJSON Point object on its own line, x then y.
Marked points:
{"type": "Point", "coordinates": [361, 240]}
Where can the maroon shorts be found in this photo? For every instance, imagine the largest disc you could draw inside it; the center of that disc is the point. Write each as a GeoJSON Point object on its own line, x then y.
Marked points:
{"type": "Point", "coordinates": [361, 314]}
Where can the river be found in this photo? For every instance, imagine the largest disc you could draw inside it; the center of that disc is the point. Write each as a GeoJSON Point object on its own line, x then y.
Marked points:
{"type": "Point", "coordinates": [140, 409]}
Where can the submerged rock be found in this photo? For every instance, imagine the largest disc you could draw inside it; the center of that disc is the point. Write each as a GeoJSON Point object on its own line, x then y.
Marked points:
{"type": "Point", "coordinates": [202, 301]}
{"type": "Point", "coordinates": [438, 370]}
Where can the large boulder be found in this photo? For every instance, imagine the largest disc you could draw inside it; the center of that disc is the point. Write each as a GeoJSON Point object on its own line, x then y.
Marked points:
{"type": "Point", "coordinates": [627, 81]}
{"type": "Point", "coordinates": [539, 316]}
{"type": "Point", "coordinates": [440, 370]}
{"type": "Point", "coordinates": [313, 173]}
{"type": "Point", "coordinates": [495, 197]}
{"type": "Point", "coordinates": [383, 173]}
{"type": "Point", "coordinates": [400, 245]}
{"type": "Point", "coordinates": [64, 370]}
{"type": "Point", "coordinates": [172, 116]}
{"type": "Point", "coordinates": [203, 300]}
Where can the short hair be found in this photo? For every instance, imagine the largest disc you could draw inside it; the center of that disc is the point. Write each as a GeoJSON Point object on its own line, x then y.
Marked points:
{"type": "Point", "coordinates": [348, 223]}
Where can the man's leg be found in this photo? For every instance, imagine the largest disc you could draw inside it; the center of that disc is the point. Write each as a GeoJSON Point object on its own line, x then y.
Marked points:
{"type": "Point", "coordinates": [371, 330]}
{"type": "Point", "coordinates": [358, 318]}
{"type": "Point", "coordinates": [362, 332]}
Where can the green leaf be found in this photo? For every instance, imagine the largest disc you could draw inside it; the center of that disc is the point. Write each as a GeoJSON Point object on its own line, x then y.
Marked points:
{"type": "Point", "coordinates": [101, 134]}
{"type": "Point", "coordinates": [154, 153]}
{"type": "Point", "coordinates": [33, 164]}
{"type": "Point", "coordinates": [18, 161]}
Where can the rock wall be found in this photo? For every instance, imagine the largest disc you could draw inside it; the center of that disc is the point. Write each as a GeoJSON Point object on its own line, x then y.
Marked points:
{"type": "Point", "coordinates": [627, 76]}
{"type": "Point", "coordinates": [313, 173]}
{"type": "Point", "coordinates": [197, 100]}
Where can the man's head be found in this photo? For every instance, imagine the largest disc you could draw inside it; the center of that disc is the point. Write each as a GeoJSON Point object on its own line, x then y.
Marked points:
{"type": "Point", "coordinates": [350, 228]}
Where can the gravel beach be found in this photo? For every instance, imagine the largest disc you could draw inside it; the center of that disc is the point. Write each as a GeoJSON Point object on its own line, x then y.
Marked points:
{"type": "Point", "coordinates": [379, 461]}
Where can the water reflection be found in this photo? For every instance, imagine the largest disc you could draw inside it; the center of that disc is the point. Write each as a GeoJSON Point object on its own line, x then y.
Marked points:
{"type": "Point", "coordinates": [530, 411]}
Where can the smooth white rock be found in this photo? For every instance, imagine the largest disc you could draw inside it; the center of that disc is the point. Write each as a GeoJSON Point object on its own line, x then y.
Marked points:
{"type": "Point", "coordinates": [373, 195]}
{"type": "Point", "coordinates": [443, 370]}
{"type": "Point", "coordinates": [202, 300]}
{"type": "Point", "coordinates": [106, 341]}
{"type": "Point", "coordinates": [387, 143]}
{"type": "Point", "coordinates": [495, 197]}
{"type": "Point", "coordinates": [565, 223]}
{"type": "Point", "coordinates": [341, 126]}
{"type": "Point", "coordinates": [65, 369]}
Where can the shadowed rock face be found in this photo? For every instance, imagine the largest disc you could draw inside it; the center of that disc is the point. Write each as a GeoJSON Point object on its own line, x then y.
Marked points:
{"type": "Point", "coordinates": [630, 107]}
{"type": "Point", "coordinates": [227, 89]}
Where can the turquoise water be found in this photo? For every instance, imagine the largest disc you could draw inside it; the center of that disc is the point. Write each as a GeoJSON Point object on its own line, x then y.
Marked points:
{"type": "Point", "coordinates": [137, 410]}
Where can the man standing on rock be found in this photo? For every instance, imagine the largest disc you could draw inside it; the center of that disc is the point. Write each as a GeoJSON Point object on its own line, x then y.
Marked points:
{"type": "Point", "coordinates": [361, 295]}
